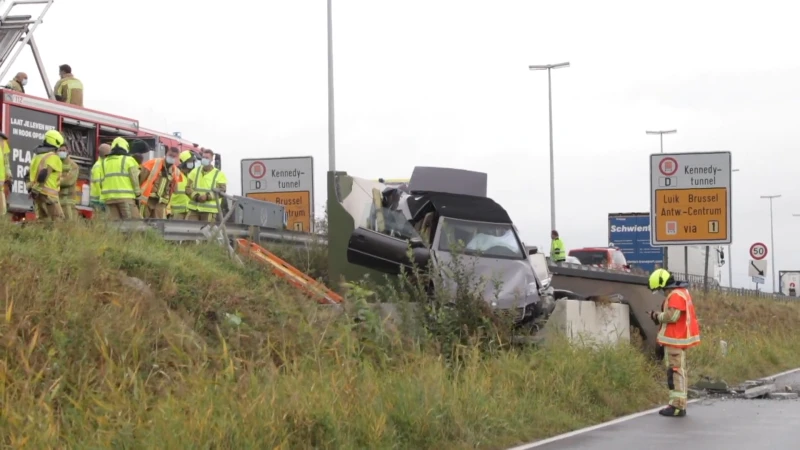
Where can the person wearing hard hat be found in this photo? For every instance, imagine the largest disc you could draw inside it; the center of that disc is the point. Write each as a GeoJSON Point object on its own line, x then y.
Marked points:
{"type": "Point", "coordinates": [95, 189]}
{"type": "Point", "coordinates": [120, 186]}
{"type": "Point", "coordinates": [179, 203]}
{"type": "Point", "coordinates": [557, 251]}
{"type": "Point", "coordinates": [44, 183]}
{"type": "Point", "coordinates": [678, 331]}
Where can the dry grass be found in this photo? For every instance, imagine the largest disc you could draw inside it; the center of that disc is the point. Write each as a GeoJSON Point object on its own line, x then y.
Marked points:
{"type": "Point", "coordinates": [218, 356]}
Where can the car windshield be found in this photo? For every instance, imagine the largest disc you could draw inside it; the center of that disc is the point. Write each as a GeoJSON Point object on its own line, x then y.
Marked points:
{"type": "Point", "coordinates": [490, 240]}
{"type": "Point", "coordinates": [591, 257]}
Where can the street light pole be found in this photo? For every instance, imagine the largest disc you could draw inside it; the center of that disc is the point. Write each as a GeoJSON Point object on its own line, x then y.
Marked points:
{"type": "Point", "coordinates": [772, 236]}
{"type": "Point", "coordinates": [331, 133]}
{"type": "Point", "coordinates": [661, 136]}
{"type": "Point", "coordinates": [549, 67]}
{"type": "Point", "coordinates": [730, 257]}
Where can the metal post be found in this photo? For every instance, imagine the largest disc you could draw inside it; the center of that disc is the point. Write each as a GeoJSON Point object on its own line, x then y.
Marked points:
{"type": "Point", "coordinates": [331, 133]}
{"type": "Point", "coordinates": [686, 262]}
{"type": "Point", "coordinates": [549, 67]}
{"type": "Point", "coordinates": [552, 163]}
{"type": "Point", "coordinates": [772, 244]}
{"type": "Point", "coordinates": [705, 271]}
{"type": "Point", "coordinates": [730, 256]}
{"type": "Point", "coordinates": [772, 237]}
{"type": "Point", "coordinates": [730, 268]}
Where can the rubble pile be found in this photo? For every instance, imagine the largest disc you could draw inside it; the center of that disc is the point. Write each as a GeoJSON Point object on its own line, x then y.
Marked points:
{"type": "Point", "coordinates": [765, 388]}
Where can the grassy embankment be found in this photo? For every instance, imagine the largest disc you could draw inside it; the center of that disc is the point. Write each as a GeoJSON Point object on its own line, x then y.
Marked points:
{"type": "Point", "coordinates": [218, 356]}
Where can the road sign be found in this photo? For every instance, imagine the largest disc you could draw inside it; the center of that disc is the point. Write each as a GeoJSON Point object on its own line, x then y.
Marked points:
{"type": "Point", "coordinates": [257, 170]}
{"type": "Point", "coordinates": [788, 282]}
{"type": "Point", "coordinates": [286, 181]}
{"type": "Point", "coordinates": [759, 280]}
{"type": "Point", "coordinates": [757, 268]}
{"type": "Point", "coordinates": [758, 251]}
{"type": "Point", "coordinates": [690, 198]}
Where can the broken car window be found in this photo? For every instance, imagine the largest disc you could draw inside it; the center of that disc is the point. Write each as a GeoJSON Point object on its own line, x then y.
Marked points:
{"type": "Point", "coordinates": [491, 240]}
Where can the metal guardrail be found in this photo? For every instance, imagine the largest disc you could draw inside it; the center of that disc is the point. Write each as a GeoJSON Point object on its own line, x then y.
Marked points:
{"type": "Point", "coordinates": [186, 230]}
{"type": "Point", "coordinates": [696, 282]}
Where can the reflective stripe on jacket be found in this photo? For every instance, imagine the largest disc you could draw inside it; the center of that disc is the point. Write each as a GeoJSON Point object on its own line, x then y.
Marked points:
{"type": "Point", "coordinates": [155, 166]}
{"type": "Point", "coordinates": [204, 183]}
{"type": "Point", "coordinates": [52, 185]}
{"type": "Point", "coordinates": [117, 178]}
{"type": "Point", "coordinates": [69, 180]}
{"type": "Point", "coordinates": [685, 332]}
{"type": "Point", "coordinates": [179, 203]}
{"type": "Point", "coordinates": [95, 191]}
{"type": "Point", "coordinates": [557, 252]}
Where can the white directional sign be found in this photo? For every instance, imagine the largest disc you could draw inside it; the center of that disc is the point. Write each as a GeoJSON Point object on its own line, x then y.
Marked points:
{"type": "Point", "coordinates": [285, 181]}
{"type": "Point", "coordinates": [690, 198]}
{"type": "Point", "coordinates": [758, 269]}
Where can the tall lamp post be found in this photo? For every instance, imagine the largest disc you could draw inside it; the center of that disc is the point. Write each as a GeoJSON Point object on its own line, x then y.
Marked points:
{"type": "Point", "coordinates": [772, 236]}
{"type": "Point", "coordinates": [730, 257]}
{"type": "Point", "coordinates": [548, 67]}
{"type": "Point", "coordinates": [661, 136]}
{"type": "Point", "coordinates": [331, 134]}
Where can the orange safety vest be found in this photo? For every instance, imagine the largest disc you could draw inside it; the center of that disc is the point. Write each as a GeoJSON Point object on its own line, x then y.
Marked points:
{"type": "Point", "coordinates": [154, 166]}
{"type": "Point", "coordinates": [684, 333]}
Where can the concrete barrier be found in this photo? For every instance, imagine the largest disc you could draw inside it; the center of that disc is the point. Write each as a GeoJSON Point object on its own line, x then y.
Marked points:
{"type": "Point", "coordinates": [590, 323]}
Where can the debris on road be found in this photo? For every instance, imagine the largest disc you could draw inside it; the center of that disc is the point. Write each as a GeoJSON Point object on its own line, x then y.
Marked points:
{"type": "Point", "coordinates": [765, 388]}
{"type": "Point", "coordinates": [759, 391]}
{"type": "Point", "coordinates": [783, 395]}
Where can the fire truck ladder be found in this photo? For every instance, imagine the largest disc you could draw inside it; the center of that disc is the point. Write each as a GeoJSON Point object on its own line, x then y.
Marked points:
{"type": "Point", "coordinates": [17, 30]}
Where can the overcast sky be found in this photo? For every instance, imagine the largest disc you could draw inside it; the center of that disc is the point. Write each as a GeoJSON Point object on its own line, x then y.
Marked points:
{"type": "Point", "coordinates": [446, 83]}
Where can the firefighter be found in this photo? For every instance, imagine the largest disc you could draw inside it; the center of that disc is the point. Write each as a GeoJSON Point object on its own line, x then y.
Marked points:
{"type": "Point", "coordinates": [159, 180]}
{"type": "Point", "coordinates": [69, 179]}
{"type": "Point", "coordinates": [95, 199]}
{"type": "Point", "coordinates": [137, 150]}
{"type": "Point", "coordinates": [45, 176]}
{"type": "Point", "coordinates": [68, 89]}
{"type": "Point", "coordinates": [5, 174]}
{"type": "Point", "coordinates": [18, 82]}
{"type": "Point", "coordinates": [557, 252]}
{"type": "Point", "coordinates": [205, 203]}
{"type": "Point", "coordinates": [120, 186]}
{"type": "Point", "coordinates": [179, 202]}
{"type": "Point", "coordinates": [679, 330]}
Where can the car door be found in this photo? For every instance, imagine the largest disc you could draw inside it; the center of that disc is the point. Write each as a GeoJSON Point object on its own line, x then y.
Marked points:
{"type": "Point", "coordinates": [382, 237]}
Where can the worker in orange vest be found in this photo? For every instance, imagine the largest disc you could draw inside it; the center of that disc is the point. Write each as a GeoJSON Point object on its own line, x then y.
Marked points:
{"type": "Point", "coordinates": [159, 179]}
{"type": "Point", "coordinates": [679, 330]}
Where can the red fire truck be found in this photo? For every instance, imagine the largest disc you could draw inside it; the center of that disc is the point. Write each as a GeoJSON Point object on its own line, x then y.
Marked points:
{"type": "Point", "coordinates": [26, 118]}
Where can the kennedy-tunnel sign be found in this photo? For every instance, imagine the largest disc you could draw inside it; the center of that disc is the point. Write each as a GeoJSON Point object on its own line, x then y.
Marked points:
{"type": "Point", "coordinates": [286, 181]}
{"type": "Point", "coordinates": [690, 198]}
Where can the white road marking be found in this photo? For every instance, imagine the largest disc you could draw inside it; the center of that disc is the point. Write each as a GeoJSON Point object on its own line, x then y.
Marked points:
{"type": "Point", "coordinates": [561, 437]}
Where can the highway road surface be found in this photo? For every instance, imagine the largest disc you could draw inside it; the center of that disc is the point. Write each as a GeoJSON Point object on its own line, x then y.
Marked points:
{"type": "Point", "coordinates": [732, 424]}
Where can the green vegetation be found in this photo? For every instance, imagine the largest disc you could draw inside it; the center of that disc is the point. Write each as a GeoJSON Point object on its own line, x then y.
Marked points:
{"type": "Point", "coordinates": [214, 355]}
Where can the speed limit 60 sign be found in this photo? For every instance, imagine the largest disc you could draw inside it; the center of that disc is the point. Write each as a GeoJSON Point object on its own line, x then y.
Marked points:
{"type": "Point", "coordinates": [758, 251]}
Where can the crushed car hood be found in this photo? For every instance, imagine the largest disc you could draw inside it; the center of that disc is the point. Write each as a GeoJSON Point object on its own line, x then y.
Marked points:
{"type": "Point", "coordinates": [504, 281]}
